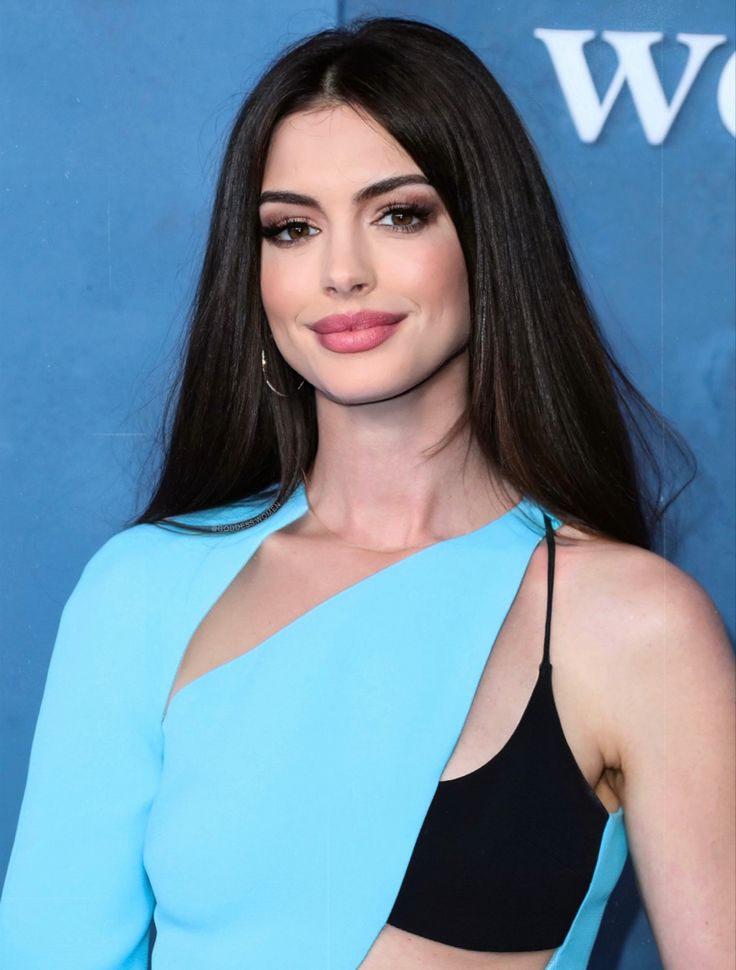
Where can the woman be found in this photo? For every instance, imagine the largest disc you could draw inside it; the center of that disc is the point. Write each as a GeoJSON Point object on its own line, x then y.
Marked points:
{"type": "Point", "coordinates": [302, 711]}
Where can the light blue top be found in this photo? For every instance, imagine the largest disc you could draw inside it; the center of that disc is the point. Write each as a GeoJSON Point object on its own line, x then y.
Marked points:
{"type": "Point", "coordinates": [267, 821]}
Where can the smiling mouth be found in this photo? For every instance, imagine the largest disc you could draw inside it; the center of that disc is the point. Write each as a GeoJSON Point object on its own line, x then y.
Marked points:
{"type": "Point", "coordinates": [362, 320]}
{"type": "Point", "coordinates": [357, 339]}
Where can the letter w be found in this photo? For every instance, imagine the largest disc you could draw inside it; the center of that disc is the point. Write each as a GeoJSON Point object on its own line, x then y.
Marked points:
{"type": "Point", "coordinates": [635, 66]}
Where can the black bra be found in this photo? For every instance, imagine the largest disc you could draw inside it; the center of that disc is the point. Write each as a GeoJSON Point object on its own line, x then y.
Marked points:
{"type": "Point", "coordinates": [506, 853]}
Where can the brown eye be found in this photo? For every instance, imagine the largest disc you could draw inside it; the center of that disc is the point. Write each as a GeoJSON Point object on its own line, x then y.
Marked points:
{"type": "Point", "coordinates": [298, 228]}
{"type": "Point", "coordinates": [274, 230]}
{"type": "Point", "coordinates": [404, 214]}
{"type": "Point", "coordinates": [407, 216]}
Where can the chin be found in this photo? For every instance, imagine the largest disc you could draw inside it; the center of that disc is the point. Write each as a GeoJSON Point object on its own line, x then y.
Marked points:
{"type": "Point", "coordinates": [368, 391]}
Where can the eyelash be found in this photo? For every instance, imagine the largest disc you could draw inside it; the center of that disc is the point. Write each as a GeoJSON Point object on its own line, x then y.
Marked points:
{"type": "Point", "coordinates": [419, 211]}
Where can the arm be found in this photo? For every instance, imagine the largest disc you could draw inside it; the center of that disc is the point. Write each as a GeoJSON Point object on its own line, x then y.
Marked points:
{"type": "Point", "coordinates": [674, 717]}
{"type": "Point", "coordinates": [76, 895]}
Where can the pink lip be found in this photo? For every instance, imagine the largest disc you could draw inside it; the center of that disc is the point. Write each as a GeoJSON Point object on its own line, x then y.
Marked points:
{"type": "Point", "coordinates": [362, 320]}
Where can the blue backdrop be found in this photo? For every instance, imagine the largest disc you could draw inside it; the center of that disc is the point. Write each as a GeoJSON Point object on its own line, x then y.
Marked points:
{"type": "Point", "coordinates": [113, 124]}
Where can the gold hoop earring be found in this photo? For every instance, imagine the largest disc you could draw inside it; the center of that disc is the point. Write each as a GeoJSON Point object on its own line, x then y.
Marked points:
{"type": "Point", "coordinates": [263, 370]}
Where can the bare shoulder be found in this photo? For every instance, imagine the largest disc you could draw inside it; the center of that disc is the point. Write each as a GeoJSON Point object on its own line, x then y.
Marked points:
{"type": "Point", "coordinates": [637, 594]}
{"type": "Point", "coordinates": [642, 626]}
{"type": "Point", "coordinates": [650, 658]}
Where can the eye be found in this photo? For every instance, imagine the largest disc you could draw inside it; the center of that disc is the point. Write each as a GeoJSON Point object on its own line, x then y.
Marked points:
{"type": "Point", "coordinates": [273, 230]}
{"type": "Point", "coordinates": [411, 211]}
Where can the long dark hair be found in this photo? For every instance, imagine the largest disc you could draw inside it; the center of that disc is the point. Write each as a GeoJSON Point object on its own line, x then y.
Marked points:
{"type": "Point", "coordinates": [551, 409]}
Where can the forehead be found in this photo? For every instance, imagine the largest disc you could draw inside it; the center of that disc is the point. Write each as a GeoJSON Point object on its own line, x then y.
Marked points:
{"type": "Point", "coordinates": [328, 145]}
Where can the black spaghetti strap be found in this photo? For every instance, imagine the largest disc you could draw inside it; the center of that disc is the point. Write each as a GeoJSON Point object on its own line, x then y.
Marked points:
{"type": "Point", "coordinates": [550, 584]}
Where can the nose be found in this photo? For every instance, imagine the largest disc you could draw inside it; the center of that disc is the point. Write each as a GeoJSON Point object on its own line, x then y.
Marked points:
{"type": "Point", "coordinates": [346, 269]}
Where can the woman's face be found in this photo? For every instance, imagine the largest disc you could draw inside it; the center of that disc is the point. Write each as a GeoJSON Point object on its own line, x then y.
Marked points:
{"type": "Point", "coordinates": [339, 255]}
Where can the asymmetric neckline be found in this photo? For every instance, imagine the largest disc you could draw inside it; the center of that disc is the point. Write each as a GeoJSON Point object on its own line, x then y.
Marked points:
{"type": "Point", "coordinates": [295, 506]}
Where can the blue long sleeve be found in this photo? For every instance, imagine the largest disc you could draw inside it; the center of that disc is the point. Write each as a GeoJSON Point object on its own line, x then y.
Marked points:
{"type": "Point", "coordinates": [76, 895]}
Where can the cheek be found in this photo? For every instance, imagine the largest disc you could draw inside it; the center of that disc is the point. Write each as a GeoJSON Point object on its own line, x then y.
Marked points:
{"type": "Point", "coordinates": [282, 288]}
{"type": "Point", "coordinates": [435, 276]}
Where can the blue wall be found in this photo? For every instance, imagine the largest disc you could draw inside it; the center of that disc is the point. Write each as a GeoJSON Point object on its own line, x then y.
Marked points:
{"type": "Point", "coordinates": [113, 124]}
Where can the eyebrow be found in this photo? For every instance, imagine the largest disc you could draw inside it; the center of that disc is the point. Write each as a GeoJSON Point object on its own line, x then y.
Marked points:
{"type": "Point", "coordinates": [363, 195]}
